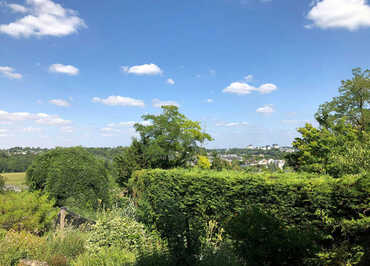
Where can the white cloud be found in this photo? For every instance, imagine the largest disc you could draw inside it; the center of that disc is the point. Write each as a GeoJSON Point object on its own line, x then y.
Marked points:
{"type": "Point", "coordinates": [240, 88]}
{"type": "Point", "coordinates": [60, 102]}
{"type": "Point", "coordinates": [243, 88]}
{"type": "Point", "coordinates": [347, 14]}
{"type": "Point", "coordinates": [119, 101]}
{"type": "Point", "coordinates": [64, 69]}
{"type": "Point", "coordinates": [231, 124]}
{"type": "Point", "coordinates": [212, 72]}
{"type": "Point", "coordinates": [158, 103]}
{"type": "Point", "coordinates": [43, 18]}
{"type": "Point", "coordinates": [170, 81]}
{"type": "Point", "coordinates": [17, 8]}
{"type": "Point", "coordinates": [248, 78]}
{"type": "Point", "coordinates": [267, 88]}
{"type": "Point", "coordinates": [39, 118]}
{"type": "Point", "coordinates": [146, 69]}
{"type": "Point", "coordinates": [209, 101]}
{"type": "Point", "coordinates": [265, 109]}
{"type": "Point", "coordinates": [9, 72]}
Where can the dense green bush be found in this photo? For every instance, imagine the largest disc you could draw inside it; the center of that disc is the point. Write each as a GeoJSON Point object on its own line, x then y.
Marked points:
{"type": "Point", "coordinates": [71, 176]}
{"type": "Point", "coordinates": [26, 211]}
{"type": "Point", "coordinates": [180, 202]}
{"type": "Point", "coordinates": [114, 230]}
{"type": "Point", "coordinates": [261, 239]}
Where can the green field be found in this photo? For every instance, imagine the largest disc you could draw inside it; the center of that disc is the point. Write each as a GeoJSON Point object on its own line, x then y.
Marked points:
{"type": "Point", "coordinates": [16, 179]}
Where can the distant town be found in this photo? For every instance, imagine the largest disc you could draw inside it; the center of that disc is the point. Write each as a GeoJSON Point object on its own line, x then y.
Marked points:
{"type": "Point", "coordinates": [17, 159]}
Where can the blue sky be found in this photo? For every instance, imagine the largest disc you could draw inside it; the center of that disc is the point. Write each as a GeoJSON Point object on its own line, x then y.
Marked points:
{"type": "Point", "coordinates": [252, 71]}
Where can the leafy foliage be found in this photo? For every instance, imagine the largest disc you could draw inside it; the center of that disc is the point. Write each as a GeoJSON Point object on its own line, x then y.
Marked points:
{"type": "Point", "coordinates": [336, 152]}
{"type": "Point", "coordinates": [70, 175]}
{"type": "Point", "coordinates": [203, 162]}
{"type": "Point", "coordinates": [26, 211]}
{"type": "Point", "coordinates": [261, 239]}
{"type": "Point", "coordinates": [114, 230]}
{"type": "Point", "coordinates": [57, 249]}
{"type": "Point", "coordinates": [166, 141]}
{"type": "Point", "coordinates": [352, 105]}
{"type": "Point", "coordinates": [179, 203]}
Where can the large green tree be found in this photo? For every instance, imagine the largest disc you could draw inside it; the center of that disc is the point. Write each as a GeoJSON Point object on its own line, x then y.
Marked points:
{"type": "Point", "coordinates": [342, 142]}
{"type": "Point", "coordinates": [167, 140]}
{"type": "Point", "coordinates": [352, 104]}
{"type": "Point", "coordinates": [71, 176]}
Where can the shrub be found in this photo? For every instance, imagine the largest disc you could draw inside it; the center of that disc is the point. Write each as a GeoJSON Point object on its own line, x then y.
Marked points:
{"type": "Point", "coordinates": [20, 245]}
{"type": "Point", "coordinates": [26, 211]}
{"type": "Point", "coordinates": [114, 230]}
{"type": "Point", "coordinates": [66, 244]}
{"type": "Point", "coordinates": [56, 249]}
{"type": "Point", "coordinates": [203, 162]}
{"type": "Point", "coordinates": [179, 202]}
{"type": "Point", "coordinates": [70, 175]}
{"type": "Point", "coordinates": [261, 239]}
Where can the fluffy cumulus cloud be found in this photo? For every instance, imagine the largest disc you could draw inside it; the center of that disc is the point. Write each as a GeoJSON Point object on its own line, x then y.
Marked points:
{"type": "Point", "coordinates": [209, 100]}
{"type": "Point", "coordinates": [348, 14]}
{"type": "Point", "coordinates": [43, 18]}
{"type": "Point", "coordinates": [243, 88]}
{"type": "Point", "coordinates": [60, 102]}
{"type": "Point", "coordinates": [170, 81]}
{"type": "Point", "coordinates": [146, 69]}
{"type": "Point", "coordinates": [119, 101]}
{"type": "Point", "coordinates": [267, 109]}
{"type": "Point", "coordinates": [231, 124]}
{"type": "Point", "coordinates": [158, 103]}
{"type": "Point", "coordinates": [64, 69]}
{"type": "Point", "coordinates": [9, 72]}
{"type": "Point", "coordinates": [39, 118]}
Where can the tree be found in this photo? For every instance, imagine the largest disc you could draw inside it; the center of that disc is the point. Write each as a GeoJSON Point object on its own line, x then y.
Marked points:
{"type": "Point", "coordinates": [70, 175]}
{"type": "Point", "coordinates": [165, 141]}
{"type": "Point", "coordinates": [340, 145]}
{"type": "Point", "coordinates": [203, 162]}
{"type": "Point", "coordinates": [352, 104]}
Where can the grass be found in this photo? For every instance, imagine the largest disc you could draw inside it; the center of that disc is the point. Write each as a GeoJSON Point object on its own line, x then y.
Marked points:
{"type": "Point", "coordinates": [16, 179]}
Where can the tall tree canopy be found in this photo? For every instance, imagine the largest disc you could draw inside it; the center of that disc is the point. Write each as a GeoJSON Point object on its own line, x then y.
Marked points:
{"type": "Point", "coordinates": [165, 141]}
{"type": "Point", "coordinates": [352, 105]}
{"type": "Point", "coordinates": [342, 143]}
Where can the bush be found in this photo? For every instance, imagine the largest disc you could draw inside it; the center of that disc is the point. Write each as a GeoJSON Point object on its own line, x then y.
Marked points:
{"type": "Point", "coordinates": [26, 211]}
{"type": "Point", "coordinates": [180, 202]}
{"type": "Point", "coordinates": [70, 175]}
{"type": "Point", "coordinates": [20, 245]}
{"type": "Point", "coordinates": [261, 239]}
{"type": "Point", "coordinates": [56, 249]}
{"type": "Point", "coordinates": [114, 230]}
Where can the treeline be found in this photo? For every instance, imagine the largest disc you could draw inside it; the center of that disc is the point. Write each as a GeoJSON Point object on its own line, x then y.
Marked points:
{"type": "Point", "coordinates": [18, 159]}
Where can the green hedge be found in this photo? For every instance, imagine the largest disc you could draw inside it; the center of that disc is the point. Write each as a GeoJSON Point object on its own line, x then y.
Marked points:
{"type": "Point", "coordinates": [179, 202]}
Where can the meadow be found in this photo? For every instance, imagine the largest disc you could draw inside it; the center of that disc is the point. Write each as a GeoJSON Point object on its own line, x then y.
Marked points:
{"type": "Point", "coordinates": [16, 179]}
